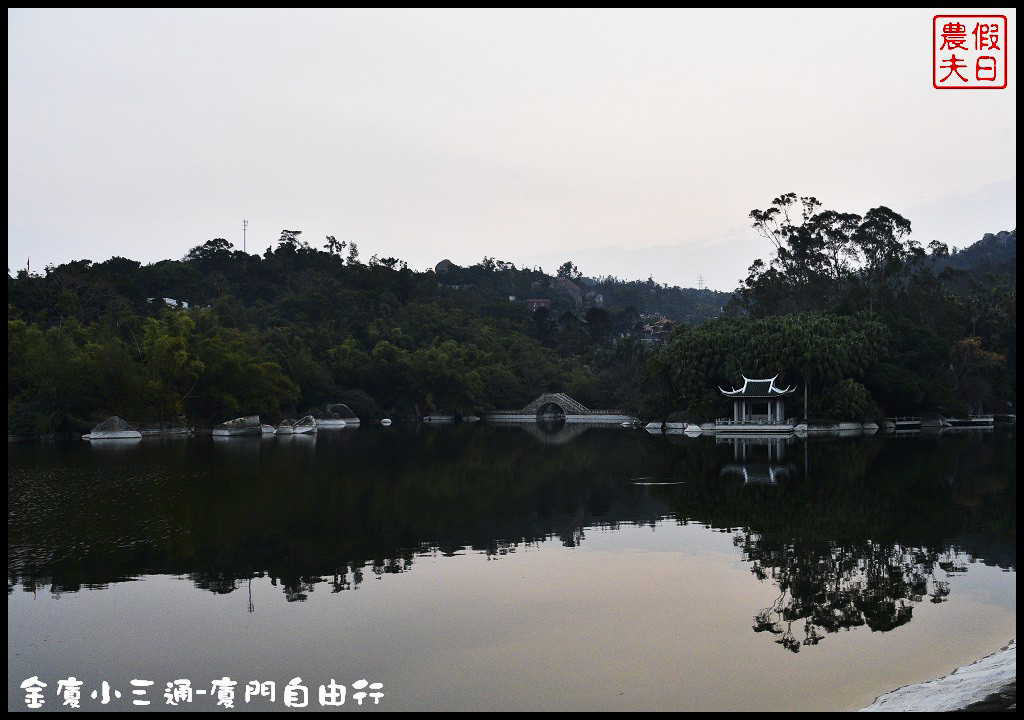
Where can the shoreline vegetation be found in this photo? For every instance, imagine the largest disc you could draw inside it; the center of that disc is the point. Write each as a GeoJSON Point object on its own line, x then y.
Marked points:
{"type": "Point", "coordinates": [987, 684]}
{"type": "Point", "coordinates": [864, 322]}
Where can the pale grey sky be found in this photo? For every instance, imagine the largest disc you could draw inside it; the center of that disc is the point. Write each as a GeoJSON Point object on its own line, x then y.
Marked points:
{"type": "Point", "coordinates": [632, 142]}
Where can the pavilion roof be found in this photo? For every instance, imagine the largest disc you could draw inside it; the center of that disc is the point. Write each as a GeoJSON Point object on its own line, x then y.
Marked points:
{"type": "Point", "coordinates": [758, 389]}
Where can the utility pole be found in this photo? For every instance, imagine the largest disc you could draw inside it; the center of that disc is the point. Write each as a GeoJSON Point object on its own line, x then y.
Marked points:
{"type": "Point", "coordinates": [245, 224]}
{"type": "Point", "coordinates": [700, 282]}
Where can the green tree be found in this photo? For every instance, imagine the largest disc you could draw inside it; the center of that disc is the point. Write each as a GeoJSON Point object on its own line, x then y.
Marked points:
{"type": "Point", "coordinates": [569, 270]}
{"type": "Point", "coordinates": [335, 246]}
{"type": "Point", "coordinates": [171, 371]}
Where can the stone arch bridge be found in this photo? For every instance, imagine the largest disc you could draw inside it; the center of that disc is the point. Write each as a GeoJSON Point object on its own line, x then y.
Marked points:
{"type": "Point", "coordinates": [556, 404]}
{"type": "Point", "coordinates": [563, 402]}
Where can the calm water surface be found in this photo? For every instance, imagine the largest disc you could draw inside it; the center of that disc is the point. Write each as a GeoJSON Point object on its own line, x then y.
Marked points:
{"type": "Point", "coordinates": [485, 567]}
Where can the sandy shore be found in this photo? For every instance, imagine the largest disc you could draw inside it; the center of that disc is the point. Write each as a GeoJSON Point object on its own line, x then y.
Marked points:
{"type": "Point", "coordinates": [988, 684]}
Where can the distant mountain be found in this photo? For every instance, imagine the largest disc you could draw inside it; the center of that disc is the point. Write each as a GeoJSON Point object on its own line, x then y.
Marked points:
{"type": "Point", "coordinates": [995, 254]}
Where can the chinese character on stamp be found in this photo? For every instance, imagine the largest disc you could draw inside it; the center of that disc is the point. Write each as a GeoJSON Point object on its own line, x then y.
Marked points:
{"type": "Point", "coordinates": [969, 52]}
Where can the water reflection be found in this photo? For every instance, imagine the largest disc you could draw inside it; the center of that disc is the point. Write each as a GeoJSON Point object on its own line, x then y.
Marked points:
{"type": "Point", "coordinates": [758, 460]}
{"type": "Point", "coordinates": [114, 445]}
{"type": "Point", "coordinates": [823, 589]}
{"type": "Point", "coordinates": [554, 431]}
{"type": "Point", "coordinates": [852, 532]}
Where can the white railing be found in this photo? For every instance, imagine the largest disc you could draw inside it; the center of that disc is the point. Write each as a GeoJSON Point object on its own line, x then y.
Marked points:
{"type": "Point", "coordinates": [755, 421]}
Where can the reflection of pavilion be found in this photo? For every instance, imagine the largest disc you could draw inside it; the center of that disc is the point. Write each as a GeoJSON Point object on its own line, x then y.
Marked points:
{"type": "Point", "coordinates": [757, 459]}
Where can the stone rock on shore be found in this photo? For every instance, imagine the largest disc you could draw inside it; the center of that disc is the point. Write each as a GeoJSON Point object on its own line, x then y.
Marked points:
{"type": "Point", "coordinates": [248, 425]}
{"type": "Point", "coordinates": [329, 420]}
{"type": "Point", "coordinates": [963, 687]}
{"type": "Point", "coordinates": [113, 428]}
{"type": "Point", "coordinates": [304, 425]}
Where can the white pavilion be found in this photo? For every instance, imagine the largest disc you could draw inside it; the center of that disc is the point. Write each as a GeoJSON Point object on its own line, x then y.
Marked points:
{"type": "Point", "coordinates": [759, 404]}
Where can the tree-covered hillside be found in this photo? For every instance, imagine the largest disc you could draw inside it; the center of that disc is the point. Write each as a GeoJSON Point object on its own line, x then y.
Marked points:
{"type": "Point", "coordinates": [872, 322]}
{"type": "Point", "coordinates": [222, 333]}
{"type": "Point", "coordinates": [869, 321]}
{"type": "Point", "coordinates": [994, 255]}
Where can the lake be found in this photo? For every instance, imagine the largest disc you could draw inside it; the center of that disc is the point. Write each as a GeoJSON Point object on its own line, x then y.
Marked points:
{"type": "Point", "coordinates": [521, 567]}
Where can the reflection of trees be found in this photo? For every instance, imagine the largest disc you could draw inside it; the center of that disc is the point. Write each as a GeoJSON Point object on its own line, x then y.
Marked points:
{"type": "Point", "coordinates": [829, 588]}
{"type": "Point", "coordinates": [358, 502]}
{"type": "Point", "coordinates": [871, 530]}
{"type": "Point", "coordinates": [875, 527]}
{"type": "Point", "coordinates": [827, 585]}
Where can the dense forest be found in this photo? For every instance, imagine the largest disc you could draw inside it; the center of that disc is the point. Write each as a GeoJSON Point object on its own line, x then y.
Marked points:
{"type": "Point", "coordinates": [871, 321]}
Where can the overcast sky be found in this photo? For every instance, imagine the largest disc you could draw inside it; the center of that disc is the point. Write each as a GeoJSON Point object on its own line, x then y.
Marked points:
{"type": "Point", "coordinates": [634, 143]}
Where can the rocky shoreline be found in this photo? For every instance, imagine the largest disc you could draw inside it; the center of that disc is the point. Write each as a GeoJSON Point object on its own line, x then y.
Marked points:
{"type": "Point", "coordinates": [988, 684]}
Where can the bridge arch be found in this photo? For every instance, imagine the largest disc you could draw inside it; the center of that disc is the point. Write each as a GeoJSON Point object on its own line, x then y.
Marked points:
{"type": "Point", "coordinates": [552, 410]}
{"type": "Point", "coordinates": [566, 404]}
{"type": "Point", "coordinates": [557, 408]}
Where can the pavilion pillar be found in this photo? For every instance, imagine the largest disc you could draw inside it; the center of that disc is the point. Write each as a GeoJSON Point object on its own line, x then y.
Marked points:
{"type": "Point", "coordinates": [735, 411]}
